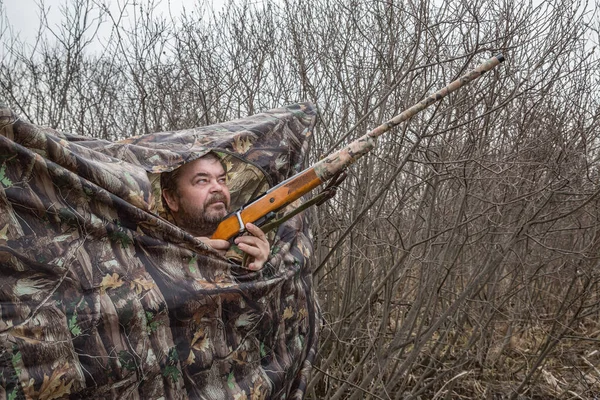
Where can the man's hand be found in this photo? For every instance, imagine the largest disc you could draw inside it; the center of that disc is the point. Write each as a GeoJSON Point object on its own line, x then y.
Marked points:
{"type": "Point", "coordinates": [255, 245]}
{"type": "Point", "coordinates": [220, 245]}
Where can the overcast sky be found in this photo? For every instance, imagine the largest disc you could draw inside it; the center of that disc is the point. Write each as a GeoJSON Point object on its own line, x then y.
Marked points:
{"type": "Point", "coordinates": [25, 14]}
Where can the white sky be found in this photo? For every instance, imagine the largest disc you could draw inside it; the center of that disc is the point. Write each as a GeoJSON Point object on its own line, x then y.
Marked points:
{"type": "Point", "coordinates": [24, 15]}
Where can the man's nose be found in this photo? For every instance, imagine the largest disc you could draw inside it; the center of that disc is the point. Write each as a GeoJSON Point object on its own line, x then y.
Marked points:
{"type": "Point", "coordinates": [216, 186]}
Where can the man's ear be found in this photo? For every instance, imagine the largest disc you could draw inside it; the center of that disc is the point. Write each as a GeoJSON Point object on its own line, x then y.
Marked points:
{"type": "Point", "coordinates": [172, 201]}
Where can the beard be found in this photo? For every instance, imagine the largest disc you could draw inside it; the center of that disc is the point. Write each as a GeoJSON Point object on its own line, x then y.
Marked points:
{"type": "Point", "coordinates": [203, 220]}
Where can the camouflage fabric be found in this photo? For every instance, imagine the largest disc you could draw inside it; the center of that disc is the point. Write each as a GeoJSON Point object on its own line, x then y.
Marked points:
{"type": "Point", "coordinates": [341, 159]}
{"type": "Point", "coordinates": [102, 296]}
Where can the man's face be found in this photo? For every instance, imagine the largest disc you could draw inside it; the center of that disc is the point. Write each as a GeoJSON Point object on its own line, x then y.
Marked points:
{"type": "Point", "coordinates": [201, 200]}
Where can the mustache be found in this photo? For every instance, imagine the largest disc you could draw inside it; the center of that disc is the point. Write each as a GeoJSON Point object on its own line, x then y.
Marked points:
{"type": "Point", "coordinates": [216, 198]}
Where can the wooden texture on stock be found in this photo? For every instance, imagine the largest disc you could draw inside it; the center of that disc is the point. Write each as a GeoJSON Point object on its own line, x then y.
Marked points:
{"type": "Point", "coordinates": [275, 199]}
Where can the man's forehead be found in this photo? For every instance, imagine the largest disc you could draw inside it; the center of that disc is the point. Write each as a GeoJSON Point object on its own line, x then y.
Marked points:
{"type": "Point", "coordinates": [204, 165]}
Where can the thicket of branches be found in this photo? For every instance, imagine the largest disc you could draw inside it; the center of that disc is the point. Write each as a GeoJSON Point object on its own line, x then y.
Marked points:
{"type": "Point", "coordinates": [461, 258]}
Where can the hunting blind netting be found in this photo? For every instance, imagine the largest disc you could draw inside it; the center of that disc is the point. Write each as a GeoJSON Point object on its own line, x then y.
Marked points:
{"type": "Point", "coordinates": [102, 296]}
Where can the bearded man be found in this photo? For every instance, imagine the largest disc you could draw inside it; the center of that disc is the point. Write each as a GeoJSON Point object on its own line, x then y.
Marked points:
{"type": "Point", "coordinates": [198, 198]}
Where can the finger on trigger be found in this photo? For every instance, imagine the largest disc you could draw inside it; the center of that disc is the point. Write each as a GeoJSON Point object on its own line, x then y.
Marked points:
{"type": "Point", "coordinates": [255, 230]}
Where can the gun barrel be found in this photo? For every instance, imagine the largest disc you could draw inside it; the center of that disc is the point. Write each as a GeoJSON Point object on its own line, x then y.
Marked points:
{"type": "Point", "coordinates": [295, 187]}
{"type": "Point", "coordinates": [437, 96]}
{"type": "Point", "coordinates": [341, 159]}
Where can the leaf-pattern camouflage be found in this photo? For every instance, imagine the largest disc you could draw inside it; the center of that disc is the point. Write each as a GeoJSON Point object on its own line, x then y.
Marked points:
{"type": "Point", "coordinates": [102, 297]}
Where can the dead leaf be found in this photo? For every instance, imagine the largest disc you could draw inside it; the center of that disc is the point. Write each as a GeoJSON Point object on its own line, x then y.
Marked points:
{"type": "Point", "coordinates": [257, 392]}
{"type": "Point", "coordinates": [288, 313]}
{"type": "Point", "coordinates": [241, 145]}
{"type": "Point", "coordinates": [110, 282]}
{"type": "Point", "coordinates": [190, 360]}
{"type": "Point", "coordinates": [240, 396]}
{"type": "Point", "coordinates": [200, 341]}
{"type": "Point", "coordinates": [141, 285]}
{"type": "Point", "coordinates": [53, 387]}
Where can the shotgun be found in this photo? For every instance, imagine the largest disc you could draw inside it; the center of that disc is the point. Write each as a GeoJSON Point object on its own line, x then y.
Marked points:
{"type": "Point", "coordinates": [291, 189]}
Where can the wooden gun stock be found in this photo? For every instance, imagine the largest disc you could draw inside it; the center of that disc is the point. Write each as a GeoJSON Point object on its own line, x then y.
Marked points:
{"type": "Point", "coordinates": [273, 200]}
{"type": "Point", "coordinates": [295, 187]}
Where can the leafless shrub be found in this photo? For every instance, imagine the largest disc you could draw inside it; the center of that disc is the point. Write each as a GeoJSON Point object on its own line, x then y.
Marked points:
{"type": "Point", "coordinates": [460, 259]}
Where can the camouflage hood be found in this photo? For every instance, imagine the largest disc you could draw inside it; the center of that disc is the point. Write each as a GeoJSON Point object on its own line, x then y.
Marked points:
{"type": "Point", "coordinates": [102, 296]}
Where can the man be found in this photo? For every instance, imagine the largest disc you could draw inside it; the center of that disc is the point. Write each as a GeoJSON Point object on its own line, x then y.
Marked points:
{"type": "Point", "coordinates": [198, 198]}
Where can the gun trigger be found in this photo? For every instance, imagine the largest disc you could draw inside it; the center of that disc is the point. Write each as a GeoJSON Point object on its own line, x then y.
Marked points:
{"type": "Point", "coordinates": [270, 215]}
{"type": "Point", "coordinates": [265, 218]}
